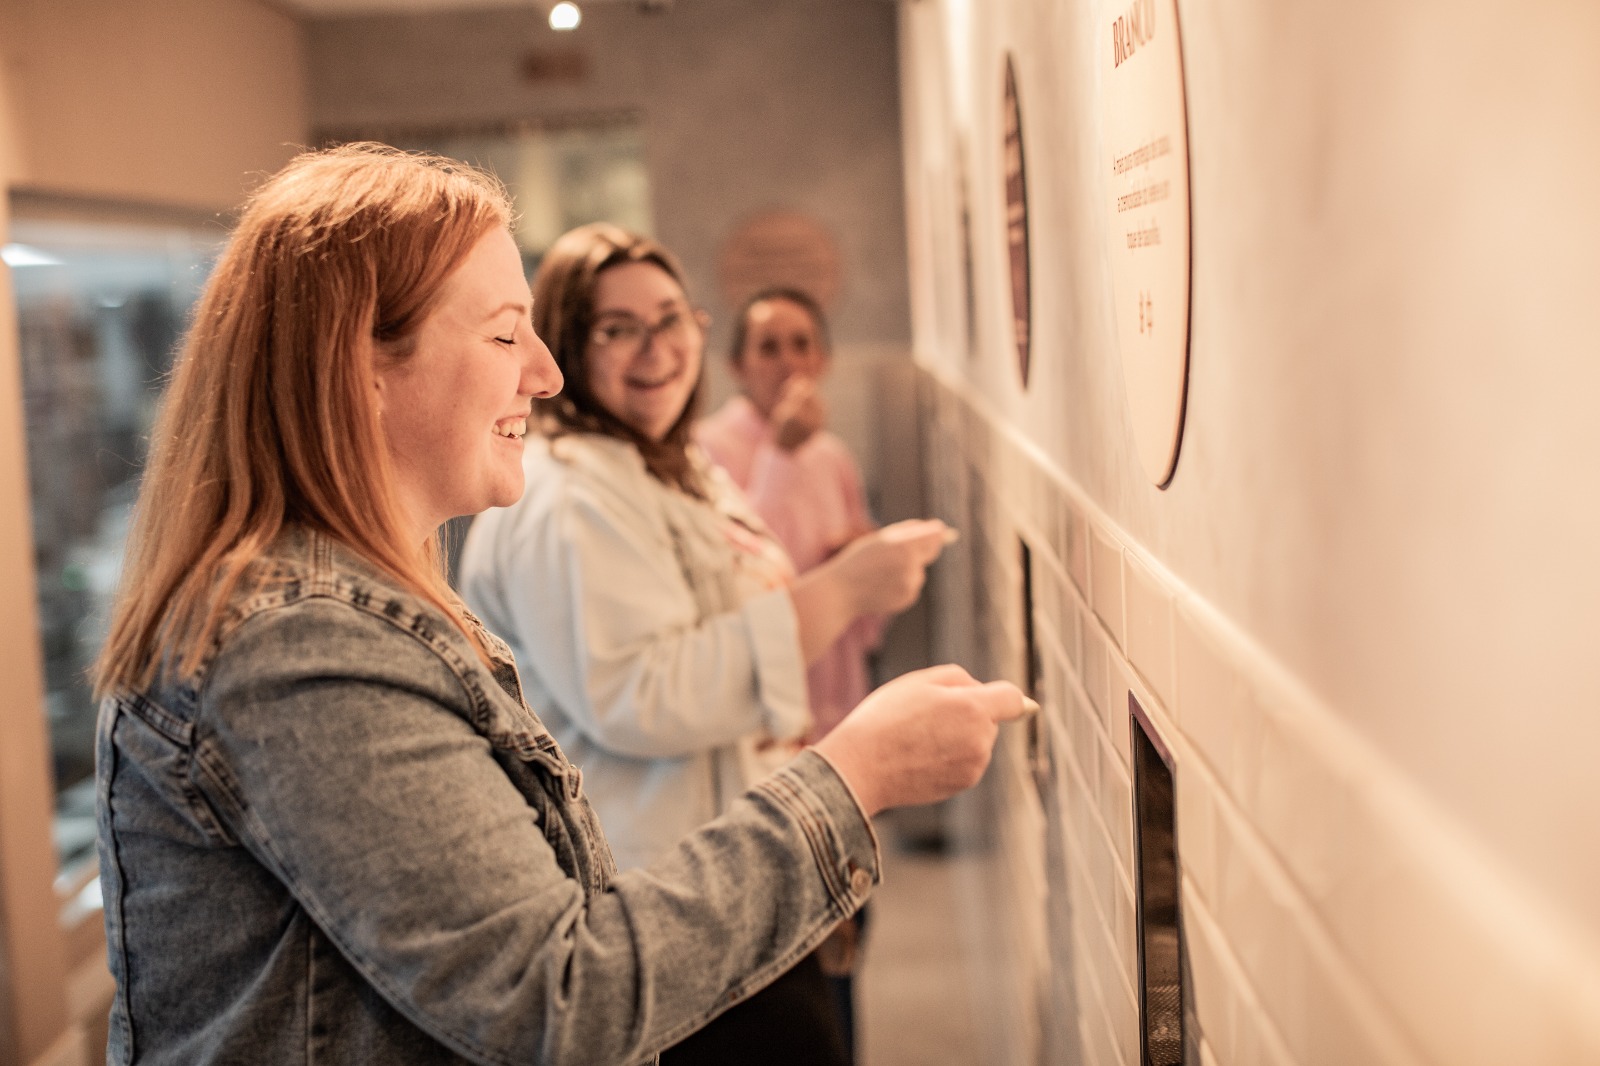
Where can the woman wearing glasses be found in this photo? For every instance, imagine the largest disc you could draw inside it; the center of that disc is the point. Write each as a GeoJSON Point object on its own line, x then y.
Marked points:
{"type": "Point", "coordinates": [660, 630]}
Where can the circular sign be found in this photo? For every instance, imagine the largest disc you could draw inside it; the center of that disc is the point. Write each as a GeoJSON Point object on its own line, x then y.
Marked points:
{"type": "Point", "coordinates": [1146, 146]}
{"type": "Point", "coordinates": [779, 248]}
{"type": "Point", "coordinates": [1017, 223]}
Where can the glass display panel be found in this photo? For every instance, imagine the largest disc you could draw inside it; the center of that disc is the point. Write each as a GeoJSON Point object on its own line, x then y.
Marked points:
{"type": "Point", "coordinates": [101, 308]}
{"type": "Point", "coordinates": [559, 177]}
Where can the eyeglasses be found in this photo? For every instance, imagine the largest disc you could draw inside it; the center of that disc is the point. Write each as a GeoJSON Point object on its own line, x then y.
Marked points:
{"type": "Point", "coordinates": [622, 332]}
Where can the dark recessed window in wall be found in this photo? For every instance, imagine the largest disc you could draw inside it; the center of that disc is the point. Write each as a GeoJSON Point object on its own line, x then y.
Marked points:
{"type": "Point", "coordinates": [1039, 760]}
{"type": "Point", "coordinates": [1160, 932]}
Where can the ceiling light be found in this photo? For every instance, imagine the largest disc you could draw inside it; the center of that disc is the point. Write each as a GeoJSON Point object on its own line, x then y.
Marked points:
{"type": "Point", "coordinates": [23, 255]}
{"type": "Point", "coordinates": [565, 16]}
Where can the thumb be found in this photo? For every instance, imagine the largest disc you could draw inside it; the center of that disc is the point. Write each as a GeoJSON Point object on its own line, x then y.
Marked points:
{"type": "Point", "coordinates": [911, 530]}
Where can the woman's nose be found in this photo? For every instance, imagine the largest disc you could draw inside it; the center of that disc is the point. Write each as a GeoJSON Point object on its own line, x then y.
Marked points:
{"type": "Point", "coordinates": [540, 375]}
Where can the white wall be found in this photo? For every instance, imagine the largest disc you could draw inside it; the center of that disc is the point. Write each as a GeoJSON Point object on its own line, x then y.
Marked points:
{"type": "Point", "coordinates": [1362, 605]}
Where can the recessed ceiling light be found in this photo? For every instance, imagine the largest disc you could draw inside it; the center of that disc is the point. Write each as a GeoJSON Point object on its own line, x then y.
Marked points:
{"type": "Point", "coordinates": [565, 16]}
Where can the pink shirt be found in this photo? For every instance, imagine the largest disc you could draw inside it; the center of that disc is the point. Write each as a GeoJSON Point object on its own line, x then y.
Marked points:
{"type": "Point", "coordinates": [812, 501]}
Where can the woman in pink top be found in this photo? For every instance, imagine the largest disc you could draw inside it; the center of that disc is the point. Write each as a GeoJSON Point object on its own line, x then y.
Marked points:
{"type": "Point", "coordinates": [801, 479]}
{"type": "Point", "coordinates": [805, 485]}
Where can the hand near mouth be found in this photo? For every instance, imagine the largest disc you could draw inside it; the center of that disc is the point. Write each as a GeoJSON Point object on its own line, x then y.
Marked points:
{"type": "Point", "coordinates": [798, 413]}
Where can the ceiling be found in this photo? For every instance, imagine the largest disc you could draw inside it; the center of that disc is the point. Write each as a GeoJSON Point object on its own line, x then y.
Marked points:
{"type": "Point", "coordinates": [329, 8]}
{"type": "Point", "coordinates": [332, 8]}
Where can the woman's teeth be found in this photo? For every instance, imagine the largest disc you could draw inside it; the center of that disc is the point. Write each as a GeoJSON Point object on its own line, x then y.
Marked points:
{"type": "Point", "coordinates": [515, 429]}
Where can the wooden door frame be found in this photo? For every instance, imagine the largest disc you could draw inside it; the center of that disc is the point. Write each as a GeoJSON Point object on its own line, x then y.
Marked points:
{"type": "Point", "coordinates": [37, 1023]}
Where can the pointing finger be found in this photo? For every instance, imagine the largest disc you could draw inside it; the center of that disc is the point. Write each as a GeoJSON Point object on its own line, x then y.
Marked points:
{"type": "Point", "coordinates": [1005, 701]}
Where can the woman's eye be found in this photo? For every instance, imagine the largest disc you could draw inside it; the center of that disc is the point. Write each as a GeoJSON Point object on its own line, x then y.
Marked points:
{"type": "Point", "coordinates": [507, 340]}
{"type": "Point", "coordinates": [618, 332]}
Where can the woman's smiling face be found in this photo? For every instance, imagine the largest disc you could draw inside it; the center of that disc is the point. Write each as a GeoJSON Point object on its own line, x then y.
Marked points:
{"type": "Point", "coordinates": [644, 351]}
{"type": "Point", "coordinates": [454, 411]}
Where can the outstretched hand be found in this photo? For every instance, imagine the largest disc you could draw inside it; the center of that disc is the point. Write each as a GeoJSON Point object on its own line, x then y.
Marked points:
{"type": "Point", "coordinates": [885, 569]}
{"type": "Point", "coordinates": [921, 738]}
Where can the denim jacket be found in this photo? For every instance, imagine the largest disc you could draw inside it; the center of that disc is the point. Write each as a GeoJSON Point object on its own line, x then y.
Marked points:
{"type": "Point", "coordinates": [344, 840]}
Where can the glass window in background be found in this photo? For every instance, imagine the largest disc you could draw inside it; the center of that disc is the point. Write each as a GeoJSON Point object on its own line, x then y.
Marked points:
{"type": "Point", "coordinates": [101, 308]}
{"type": "Point", "coordinates": [559, 176]}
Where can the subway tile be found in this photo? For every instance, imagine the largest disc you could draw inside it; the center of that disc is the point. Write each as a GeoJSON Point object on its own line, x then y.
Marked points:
{"type": "Point", "coordinates": [1249, 759]}
{"type": "Point", "coordinates": [1081, 850]}
{"type": "Point", "coordinates": [1119, 685]}
{"type": "Point", "coordinates": [1148, 621]}
{"type": "Point", "coordinates": [1105, 583]}
{"type": "Point", "coordinates": [1095, 665]}
{"type": "Point", "coordinates": [1214, 990]}
{"type": "Point", "coordinates": [1303, 809]}
{"type": "Point", "coordinates": [1058, 738]}
{"type": "Point", "coordinates": [1084, 731]}
{"type": "Point", "coordinates": [1124, 930]}
{"type": "Point", "coordinates": [1090, 1019]}
{"type": "Point", "coordinates": [1209, 694]}
{"type": "Point", "coordinates": [1049, 517]}
{"type": "Point", "coordinates": [1324, 1011]}
{"type": "Point", "coordinates": [1039, 505]}
{"type": "Point", "coordinates": [1075, 545]}
{"type": "Point", "coordinates": [1466, 988]}
{"type": "Point", "coordinates": [1251, 908]}
{"type": "Point", "coordinates": [1123, 1007]}
{"type": "Point", "coordinates": [1098, 1038]}
{"type": "Point", "coordinates": [1087, 841]}
{"type": "Point", "coordinates": [1259, 1045]}
{"type": "Point", "coordinates": [1072, 633]}
{"type": "Point", "coordinates": [1116, 810]}
{"type": "Point", "coordinates": [1343, 1023]}
{"type": "Point", "coordinates": [1196, 830]}
{"type": "Point", "coordinates": [1105, 872]}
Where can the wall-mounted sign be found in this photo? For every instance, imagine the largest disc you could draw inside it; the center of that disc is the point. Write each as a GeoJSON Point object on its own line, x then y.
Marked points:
{"type": "Point", "coordinates": [1146, 146]}
{"type": "Point", "coordinates": [1017, 223]}
{"type": "Point", "coordinates": [787, 248]}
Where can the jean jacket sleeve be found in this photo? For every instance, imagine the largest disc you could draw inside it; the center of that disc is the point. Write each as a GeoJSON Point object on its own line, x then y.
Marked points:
{"type": "Point", "coordinates": [355, 775]}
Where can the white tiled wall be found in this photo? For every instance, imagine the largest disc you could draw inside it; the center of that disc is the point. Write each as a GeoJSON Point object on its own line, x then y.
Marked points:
{"type": "Point", "coordinates": [1332, 917]}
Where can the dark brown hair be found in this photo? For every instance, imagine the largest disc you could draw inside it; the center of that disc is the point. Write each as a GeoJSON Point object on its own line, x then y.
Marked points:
{"type": "Point", "coordinates": [563, 316]}
{"type": "Point", "coordinates": [800, 298]}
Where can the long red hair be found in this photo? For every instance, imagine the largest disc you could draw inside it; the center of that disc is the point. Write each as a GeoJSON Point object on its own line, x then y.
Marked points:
{"type": "Point", "coordinates": [269, 419]}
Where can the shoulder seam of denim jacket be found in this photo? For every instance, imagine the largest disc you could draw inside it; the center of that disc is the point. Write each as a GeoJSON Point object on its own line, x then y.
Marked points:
{"type": "Point", "coordinates": [294, 580]}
